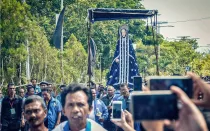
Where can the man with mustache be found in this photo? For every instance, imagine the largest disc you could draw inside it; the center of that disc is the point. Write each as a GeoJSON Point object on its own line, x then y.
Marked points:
{"type": "Point", "coordinates": [35, 112]}
{"type": "Point", "coordinates": [76, 101]}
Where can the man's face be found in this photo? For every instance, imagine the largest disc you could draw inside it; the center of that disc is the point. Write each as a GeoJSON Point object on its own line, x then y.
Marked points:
{"type": "Point", "coordinates": [12, 90]}
{"type": "Point", "coordinates": [110, 92]}
{"type": "Point", "coordinates": [123, 33]}
{"type": "Point", "coordinates": [33, 82]}
{"type": "Point", "coordinates": [42, 86]}
{"type": "Point", "coordinates": [34, 113]}
{"type": "Point", "coordinates": [76, 107]}
{"type": "Point", "coordinates": [61, 89]}
{"type": "Point", "coordinates": [93, 91]}
{"type": "Point", "coordinates": [31, 91]}
{"type": "Point", "coordinates": [46, 95]}
{"type": "Point", "coordinates": [124, 91]}
{"type": "Point", "coordinates": [22, 92]}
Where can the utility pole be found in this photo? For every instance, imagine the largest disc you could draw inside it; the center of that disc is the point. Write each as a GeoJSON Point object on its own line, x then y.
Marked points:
{"type": "Point", "coordinates": [61, 46]}
{"type": "Point", "coordinates": [28, 56]}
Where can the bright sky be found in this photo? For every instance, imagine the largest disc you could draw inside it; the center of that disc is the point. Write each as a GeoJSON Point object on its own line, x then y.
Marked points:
{"type": "Point", "coordinates": [183, 10]}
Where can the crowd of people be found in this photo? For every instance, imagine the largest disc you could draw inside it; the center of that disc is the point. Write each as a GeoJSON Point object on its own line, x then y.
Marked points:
{"type": "Point", "coordinates": [78, 107]}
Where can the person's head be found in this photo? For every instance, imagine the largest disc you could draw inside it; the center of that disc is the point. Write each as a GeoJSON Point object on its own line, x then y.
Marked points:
{"type": "Point", "coordinates": [33, 82]}
{"type": "Point", "coordinates": [35, 110]}
{"type": "Point", "coordinates": [93, 91]}
{"type": "Point", "coordinates": [50, 85]}
{"type": "Point", "coordinates": [76, 101]}
{"type": "Point", "coordinates": [11, 89]}
{"type": "Point", "coordinates": [124, 90]}
{"type": "Point", "coordinates": [101, 88]}
{"type": "Point", "coordinates": [46, 94]}
{"type": "Point", "coordinates": [30, 90]}
{"type": "Point", "coordinates": [43, 84]}
{"type": "Point", "coordinates": [21, 92]}
{"type": "Point", "coordinates": [110, 90]}
{"type": "Point", "coordinates": [62, 87]}
{"type": "Point", "coordinates": [123, 31]}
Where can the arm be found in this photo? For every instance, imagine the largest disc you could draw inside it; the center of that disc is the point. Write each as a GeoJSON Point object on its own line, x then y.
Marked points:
{"type": "Point", "coordinates": [59, 108]}
{"type": "Point", "coordinates": [59, 118]}
{"type": "Point", "coordinates": [105, 111]}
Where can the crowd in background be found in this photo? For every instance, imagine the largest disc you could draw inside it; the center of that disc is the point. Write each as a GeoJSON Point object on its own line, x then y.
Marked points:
{"type": "Point", "coordinates": [38, 107]}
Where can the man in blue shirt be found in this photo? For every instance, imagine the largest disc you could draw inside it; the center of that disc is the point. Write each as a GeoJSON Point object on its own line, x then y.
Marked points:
{"type": "Point", "coordinates": [99, 112]}
{"type": "Point", "coordinates": [37, 89]}
{"type": "Point", "coordinates": [54, 110]}
{"type": "Point", "coordinates": [125, 98]}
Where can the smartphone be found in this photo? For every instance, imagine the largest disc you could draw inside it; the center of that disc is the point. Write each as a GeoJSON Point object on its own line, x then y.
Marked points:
{"type": "Point", "coordinates": [164, 83]}
{"type": "Point", "coordinates": [116, 110]}
{"type": "Point", "coordinates": [154, 105]}
{"type": "Point", "coordinates": [137, 83]}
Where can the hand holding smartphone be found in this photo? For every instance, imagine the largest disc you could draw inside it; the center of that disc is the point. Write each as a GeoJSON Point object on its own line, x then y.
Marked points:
{"type": "Point", "coordinates": [164, 83]}
{"type": "Point", "coordinates": [154, 105]}
{"type": "Point", "coordinates": [116, 110]}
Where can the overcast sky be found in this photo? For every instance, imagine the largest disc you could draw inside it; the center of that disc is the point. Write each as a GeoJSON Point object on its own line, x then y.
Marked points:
{"type": "Point", "coordinates": [181, 10]}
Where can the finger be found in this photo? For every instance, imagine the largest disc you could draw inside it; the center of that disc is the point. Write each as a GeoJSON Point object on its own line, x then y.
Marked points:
{"type": "Point", "coordinates": [167, 122]}
{"type": "Point", "coordinates": [127, 113]}
{"type": "Point", "coordinates": [144, 88]}
{"type": "Point", "coordinates": [122, 116]}
{"type": "Point", "coordinates": [181, 95]}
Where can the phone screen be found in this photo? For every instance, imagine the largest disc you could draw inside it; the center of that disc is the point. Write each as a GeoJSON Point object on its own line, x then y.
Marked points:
{"type": "Point", "coordinates": [155, 107]}
{"type": "Point", "coordinates": [164, 84]}
{"type": "Point", "coordinates": [137, 83]}
{"type": "Point", "coordinates": [117, 110]}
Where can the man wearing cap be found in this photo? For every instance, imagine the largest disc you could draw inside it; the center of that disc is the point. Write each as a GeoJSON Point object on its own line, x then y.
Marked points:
{"type": "Point", "coordinates": [43, 85]}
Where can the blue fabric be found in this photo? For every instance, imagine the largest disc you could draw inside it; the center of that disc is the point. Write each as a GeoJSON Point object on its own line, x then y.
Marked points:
{"type": "Point", "coordinates": [113, 78]}
{"type": "Point", "coordinates": [52, 114]}
{"type": "Point", "coordinates": [59, 97]}
{"type": "Point", "coordinates": [37, 89]}
{"type": "Point", "coordinates": [125, 105]}
{"type": "Point", "coordinates": [102, 108]}
{"type": "Point", "coordinates": [88, 126]}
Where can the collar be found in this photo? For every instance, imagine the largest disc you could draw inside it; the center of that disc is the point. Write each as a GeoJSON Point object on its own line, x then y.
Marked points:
{"type": "Point", "coordinates": [16, 97]}
{"type": "Point", "coordinates": [87, 128]}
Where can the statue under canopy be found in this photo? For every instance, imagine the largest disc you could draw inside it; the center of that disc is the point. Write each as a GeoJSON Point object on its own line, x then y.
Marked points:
{"type": "Point", "coordinates": [124, 65]}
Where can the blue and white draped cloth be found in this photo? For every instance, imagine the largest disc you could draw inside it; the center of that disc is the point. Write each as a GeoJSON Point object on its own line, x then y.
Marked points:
{"type": "Point", "coordinates": [124, 65]}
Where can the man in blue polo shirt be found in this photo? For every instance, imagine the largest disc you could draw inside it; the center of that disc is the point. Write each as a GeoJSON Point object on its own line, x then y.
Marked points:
{"type": "Point", "coordinates": [54, 110]}
{"type": "Point", "coordinates": [37, 89]}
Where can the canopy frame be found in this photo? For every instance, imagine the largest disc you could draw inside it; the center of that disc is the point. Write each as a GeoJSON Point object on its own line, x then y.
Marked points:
{"type": "Point", "coordinates": [103, 14]}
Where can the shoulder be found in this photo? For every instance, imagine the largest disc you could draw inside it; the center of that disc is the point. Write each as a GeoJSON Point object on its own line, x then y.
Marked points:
{"type": "Point", "coordinates": [60, 127]}
{"type": "Point", "coordinates": [55, 101]}
{"type": "Point", "coordinates": [100, 101]}
{"type": "Point", "coordinates": [120, 98]}
{"type": "Point", "coordinates": [95, 126]}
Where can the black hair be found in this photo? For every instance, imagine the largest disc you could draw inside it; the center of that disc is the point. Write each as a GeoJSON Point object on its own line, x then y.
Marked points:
{"type": "Point", "coordinates": [64, 86]}
{"type": "Point", "coordinates": [33, 79]}
{"type": "Point", "coordinates": [123, 85]}
{"type": "Point", "coordinates": [10, 84]}
{"type": "Point", "coordinates": [46, 89]}
{"type": "Point", "coordinates": [29, 88]}
{"type": "Point", "coordinates": [73, 88]}
{"type": "Point", "coordinates": [34, 98]}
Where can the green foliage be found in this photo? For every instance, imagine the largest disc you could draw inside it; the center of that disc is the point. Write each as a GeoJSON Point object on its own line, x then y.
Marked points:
{"type": "Point", "coordinates": [34, 21]}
